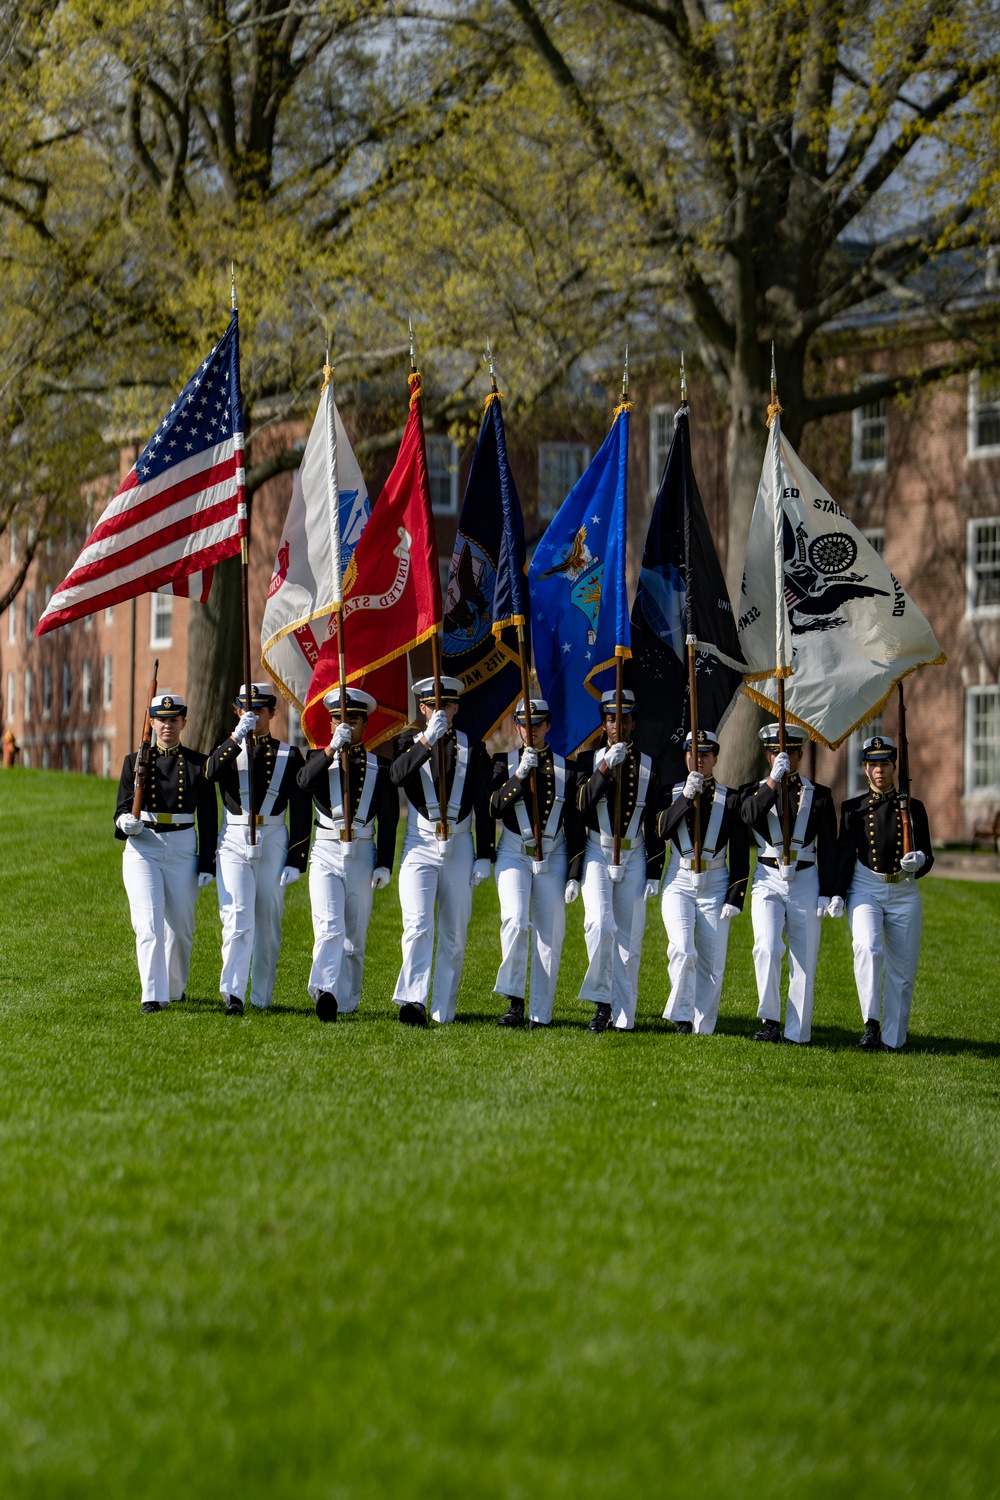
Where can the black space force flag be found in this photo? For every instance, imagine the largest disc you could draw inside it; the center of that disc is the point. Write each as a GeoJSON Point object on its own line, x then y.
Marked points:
{"type": "Point", "coordinates": [682, 592]}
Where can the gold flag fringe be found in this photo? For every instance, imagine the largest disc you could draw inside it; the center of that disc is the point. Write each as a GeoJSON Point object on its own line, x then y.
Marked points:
{"type": "Point", "coordinates": [415, 380]}
{"type": "Point", "coordinates": [623, 406]}
{"type": "Point", "coordinates": [774, 410]}
{"type": "Point", "coordinates": [327, 377]}
{"type": "Point", "coordinates": [490, 398]}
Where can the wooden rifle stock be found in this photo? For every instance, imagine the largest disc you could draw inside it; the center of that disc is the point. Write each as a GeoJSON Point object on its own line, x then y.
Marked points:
{"type": "Point", "coordinates": [145, 748]}
{"type": "Point", "coordinates": [904, 778]}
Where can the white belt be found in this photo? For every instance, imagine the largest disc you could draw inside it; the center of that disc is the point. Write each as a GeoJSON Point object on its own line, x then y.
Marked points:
{"type": "Point", "coordinates": [606, 843]}
{"type": "Point", "coordinates": [711, 862]}
{"type": "Point", "coordinates": [896, 878]}
{"type": "Point", "coordinates": [427, 825]}
{"type": "Point", "coordinates": [262, 820]}
{"type": "Point", "coordinates": [517, 845]}
{"type": "Point", "coordinates": [329, 834]}
{"type": "Point", "coordinates": [172, 820]}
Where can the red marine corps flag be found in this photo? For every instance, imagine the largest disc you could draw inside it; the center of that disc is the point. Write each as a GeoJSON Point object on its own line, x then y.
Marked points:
{"type": "Point", "coordinates": [393, 602]}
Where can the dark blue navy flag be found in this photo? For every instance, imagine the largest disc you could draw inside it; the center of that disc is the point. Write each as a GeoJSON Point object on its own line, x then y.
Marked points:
{"type": "Point", "coordinates": [682, 592]}
{"type": "Point", "coordinates": [579, 603]}
{"type": "Point", "coordinates": [487, 588]}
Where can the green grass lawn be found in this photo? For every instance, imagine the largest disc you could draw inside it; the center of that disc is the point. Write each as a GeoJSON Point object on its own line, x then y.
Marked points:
{"type": "Point", "coordinates": [268, 1257]}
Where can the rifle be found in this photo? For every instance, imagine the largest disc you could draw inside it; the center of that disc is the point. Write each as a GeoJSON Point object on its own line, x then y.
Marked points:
{"type": "Point", "coordinates": [145, 746]}
{"type": "Point", "coordinates": [904, 778]}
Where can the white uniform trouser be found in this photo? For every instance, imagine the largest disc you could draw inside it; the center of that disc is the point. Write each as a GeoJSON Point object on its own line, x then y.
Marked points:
{"type": "Point", "coordinates": [426, 876]}
{"type": "Point", "coordinates": [531, 907]}
{"type": "Point", "coordinates": [614, 920]}
{"type": "Point", "coordinates": [340, 893]}
{"type": "Point", "coordinates": [785, 910]}
{"type": "Point", "coordinates": [885, 925]}
{"type": "Point", "coordinates": [251, 905]}
{"type": "Point", "coordinates": [697, 942]}
{"type": "Point", "coordinates": [160, 871]}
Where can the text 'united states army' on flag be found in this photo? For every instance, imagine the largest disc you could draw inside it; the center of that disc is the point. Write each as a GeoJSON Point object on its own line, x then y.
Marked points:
{"type": "Point", "coordinates": [182, 508]}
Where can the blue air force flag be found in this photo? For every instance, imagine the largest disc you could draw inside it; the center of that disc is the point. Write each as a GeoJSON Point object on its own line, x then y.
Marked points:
{"type": "Point", "coordinates": [579, 603]}
{"type": "Point", "coordinates": [487, 589]}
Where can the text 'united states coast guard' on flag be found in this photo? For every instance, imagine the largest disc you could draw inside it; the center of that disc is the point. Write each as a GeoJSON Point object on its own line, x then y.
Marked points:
{"type": "Point", "coordinates": [182, 508]}
{"type": "Point", "coordinates": [820, 608]}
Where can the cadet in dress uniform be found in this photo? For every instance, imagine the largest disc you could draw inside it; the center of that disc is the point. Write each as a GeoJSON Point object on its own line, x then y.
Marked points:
{"type": "Point", "coordinates": [531, 882]}
{"type": "Point", "coordinates": [788, 903]}
{"type": "Point", "coordinates": [252, 877]}
{"type": "Point", "coordinates": [434, 868]}
{"type": "Point", "coordinates": [698, 907]}
{"type": "Point", "coordinates": [883, 902]}
{"type": "Point", "coordinates": [344, 872]}
{"type": "Point", "coordinates": [160, 866]}
{"type": "Point", "coordinates": [615, 896]}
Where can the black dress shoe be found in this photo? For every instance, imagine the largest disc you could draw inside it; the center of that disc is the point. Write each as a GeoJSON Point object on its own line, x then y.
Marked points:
{"type": "Point", "coordinates": [872, 1039]}
{"type": "Point", "coordinates": [413, 1013]}
{"type": "Point", "coordinates": [539, 1025]}
{"type": "Point", "coordinates": [326, 1006]}
{"type": "Point", "coordinates": [684, 1028]}
{"type": "Point", "coordinates": [234, 1005]}
{"type": "Point", "coordinates": [150, 1007]}
{"type": "Point", "coordinates": [514, 1015]}
{"type": "Point", "coordinates": [769, 1032]}
{"type": "Point", "coordinates": [602, 1018]}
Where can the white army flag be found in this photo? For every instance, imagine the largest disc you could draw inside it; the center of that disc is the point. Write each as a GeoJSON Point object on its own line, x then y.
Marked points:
{"type": "Point", "coordinates": [820, 608]}
{"type": "Point", "coordinates": [329, 495]}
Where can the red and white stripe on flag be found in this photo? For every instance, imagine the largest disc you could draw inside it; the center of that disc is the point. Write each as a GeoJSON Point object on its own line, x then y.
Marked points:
{"type": "Point", "coordinates": [182, 508]}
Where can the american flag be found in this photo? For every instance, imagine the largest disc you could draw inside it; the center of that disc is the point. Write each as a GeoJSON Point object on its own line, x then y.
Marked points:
{"type": "Point", "coordinates": [182, 508]}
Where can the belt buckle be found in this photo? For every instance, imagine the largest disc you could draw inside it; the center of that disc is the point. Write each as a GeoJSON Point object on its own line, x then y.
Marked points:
{"type": "Point", "coordinates": [259, 820]}
{"type": "Point", "coordinates": [163, 817]}
{"type": "Point", "coordinates": [529, 849]}
{"type": "Point", "coordinates": [343, 836]}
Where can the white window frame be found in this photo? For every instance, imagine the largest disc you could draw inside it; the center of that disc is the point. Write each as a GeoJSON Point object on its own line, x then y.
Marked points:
{"type": "Point", "coordinates": [13, 547]}
{"type": "Point", "coordinates": [11, 695]}
{"type": "Point", "coordinates": [296, 734]}
{"type": "Point", "coordinates": [87, 686]}
{"type": "Point", "coordinates": [437, 442]}
{"type": "Point", "coordinates": [29, 683]}
{"type": "Point", "coordinates": [46, 692]}
{"type": "Point", "coordinates": [65, 757]}
{"type": "Point", "coordinates": [661, 432]}
{"type": "Point", "coordinates": [106, 758]}
{"type": "Point", "coordinates": [580, 451]}
{"type": "Point", "coordinates": [109, 615]}
{"type": "Point", "coordinates": [12, 623]}
{"type": "Point", "coordinates": [975, 448]}
{"type": "Point", "coordinates": [46, 758]}
{"type": "Point", "coordinates": [875, 537]}
{"type": "Point", "coordinates": [29, 615]}
{"type": "Point", "coordinates": [974, 611]}
{"type": "Point", "coordinates": [857, 781]}
{"type": "Point", "coordinates": [161, 604]}
{"type": "Point", "coordinates": [85, 758]}
{"type": "Point", "coordinates": [107, 678]}
{"type": "Point", "coordinates": [973, 695]}
{"type": "Point", "coordinates": [859, 423]}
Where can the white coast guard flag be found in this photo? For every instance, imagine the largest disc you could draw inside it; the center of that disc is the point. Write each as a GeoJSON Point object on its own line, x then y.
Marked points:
{"type": "Point", "coordinates": [820, 608]}
{"type": "Point", "coordinates": [329, 504]}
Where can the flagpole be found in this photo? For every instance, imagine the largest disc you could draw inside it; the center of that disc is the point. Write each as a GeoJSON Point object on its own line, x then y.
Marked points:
{"type": "Point", "coordinates": [443, 831]}
{"type": "Point", "coordinates": [691, 648]}
{"type": "Point", "coordinates": [616, 856]}
{"type": "Point", "coordinates": [786, 831]}
{"type": "Point", "coordinates": [245, 603]}
{"type": "Point", "coordinates": [333, 503]}
{"type": "Point", "coordinates": [904, 778]}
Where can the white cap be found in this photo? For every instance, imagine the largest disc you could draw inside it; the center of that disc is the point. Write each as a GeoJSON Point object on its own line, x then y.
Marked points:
{"type": "Point", "coordinates": [451, 687]}
{"type": "Point", "coordinates": [357, 701]}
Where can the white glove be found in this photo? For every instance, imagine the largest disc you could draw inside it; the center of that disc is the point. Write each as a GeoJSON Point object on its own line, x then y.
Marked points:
{"type": "Point", "coordinates": [822, 908]}
{"type": "Point", "coordinates": [914, 861]}
{"type": "Point", "coordinates": [437, 726]}
{"type": "Point", "coordinates": [572, 891]}
{"type": "Point", "coordinates": [652, 889]}
{"type": "Point", "coordinates": [693, 785]}
{"type": "Point", "coordinates": [380, 878]}
{"type": "Point", "coordinates": [204, 878]}
{"type": "Point", "coordinates": [480, 872]}
{"type": "Point", "coordinates": [129, 826]}
{"type": "Point", "coordinates": [342, 736]}
{"type": "Point", "coordinates": [527, 763]}
{"type": "Point", "coordinates": [615, 754]}
{"type": "Point", "coordinates": [245, 728]}
{"type": "Point", "coordinates": [836, 907]}
{"type": "Point", "coordinates": [782, 766]}
{"type": "Point", "coordinates": [728, 912]}
{"type": "Point", "coordinates": [289, 875]}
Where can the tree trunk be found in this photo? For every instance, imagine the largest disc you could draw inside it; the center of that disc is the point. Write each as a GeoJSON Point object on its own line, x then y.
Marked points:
{"type": "Point", "coordinates": [215, 659]}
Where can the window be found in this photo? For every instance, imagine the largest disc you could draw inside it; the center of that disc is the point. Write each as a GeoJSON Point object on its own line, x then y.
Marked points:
{"type": "Point", "coordinates": [65, 757]}
{"type": "Point", "coordinates": [296, 734]}
{"type": "Point", "coordinates": [28, 685]}
{"type": "Point", "coordinates": [661, 435]}
{"type": "Point", "coordinates": [442, 471]}
{"type": "Point", "coordinates": [869, 424]}
{"type": "Point", "coordinates": [47, 691]}
{"type": "Point", "coordinates": [49, 591]}
{"type": "Point", "coordinates": [857, 781]}
{"type": "Point", "coordinates": [559, 467]}
{"type": "Point", "coordinates": [875, 537]}
{"type": "Point", "coordinates": [161, 618]}
{"type": "Point", "coordinates": [984, 411]}
{"type": "Point", "coordinates": [982, 742]}
{"type": "Point", "coordinates": [26, 758]}
{"type": "Point", "coordinates": [106, 758]}
{"type": "Point", "coordinates": [12, 623]}
{"type": "Point", "coordinates": [109, 615]}
{"type": "Point", "coordinates": [11, 695]}
{"type": "Point", "coordinates": [67, 687]}
{"type": "Point", "coordinates": [29, 615]}
{"type": "Point", "coordinates": [87, 680]}
{"type": "Point", "coordinates": [982, 572]}
{"type": "Point", "coordinates": [108, 669]}
{"type": "Point", "coordinates": [46, 758]}
{"type": "Point", "coordinates": [13, 548]}
{"type": "Point", "coordinates": [85, 757]}
{"type": "Point", "coordinates": [88, 622]}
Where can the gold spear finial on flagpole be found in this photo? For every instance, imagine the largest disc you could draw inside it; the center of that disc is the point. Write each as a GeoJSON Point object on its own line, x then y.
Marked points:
{"type": "Point", "coordinates": [775, 409]}
{"type": "Point", "coordinates": [684, 382]}
{"type": "Point", "coordinates": [413, 351]}
{"type": "Point", "coordinates": [625, 376]}
{"type": "Point", "coordinates": [494, 394]}
{"type": "Point", "coordinates": [232, 285]}
{"type": "Point", "coordinates": [327, 367]}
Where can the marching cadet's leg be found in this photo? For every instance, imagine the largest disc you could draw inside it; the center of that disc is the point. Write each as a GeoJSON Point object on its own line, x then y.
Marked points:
{"type": "Point", "coordinates": [767, 912]}
{"type": "Point", "coordinates": [712, 935]}
{"type": "Point", "coordinates": [513, 877]}
{"type": "Point", "coordinates": [630, 922]}
{"type": "Point", "coordinates": [418, 887]}
{"type": "Point", "coordinates": [599, 930]}
{"type": "Point", "coordinates": [357, 913]}
{"type": "Point", "coordinates": [454, 914]}
{"type": "Point", "coordinates": [864, 915]}
{"type": "Point", "coordinates": [679, 912]}
{"type": "Point", "coordinates": [143, 879]}
{"type": "Point", "coordinates": [548, 904]}
{"type": "Point", "coordinates": [236, 881]}
{"type": "Point", "coordinates": [903, 921]}
{"type": "Point", "coordinates": [803, 928]}
{"type": "Point", "coordinates": [180, 894]}
{"type": "Point", "coordinates": [327, 901]}
{"type": "Point", "coordinates": [269, 908]}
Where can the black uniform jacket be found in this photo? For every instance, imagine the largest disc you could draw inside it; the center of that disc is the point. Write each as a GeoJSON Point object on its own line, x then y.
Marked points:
{"type": "Point", "coordinates": [222, 767]}
{"type": "Point", "coordinates": [594, 785]}
{"type": "Point", "coordinates": [175, 783]}
{"type": "Point", "coordinates": [756, 801]}
{"type": "Point", "coordinates": [314, 778]}
{"type": "Point", "coordinates": [507, 791]}
{"type": "Point", "coordinates": [733, 835]}
{"type": "Point", "coordinates": [412, 753]}
{"type": "Point", "coordinates": [871, 830]}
